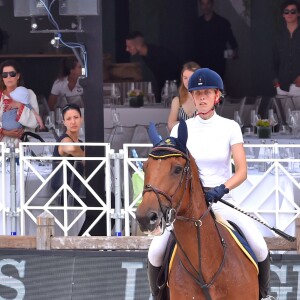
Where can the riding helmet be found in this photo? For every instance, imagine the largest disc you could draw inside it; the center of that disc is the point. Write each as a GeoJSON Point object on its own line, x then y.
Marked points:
{"type": "Point", "coordinates": [205, 78]}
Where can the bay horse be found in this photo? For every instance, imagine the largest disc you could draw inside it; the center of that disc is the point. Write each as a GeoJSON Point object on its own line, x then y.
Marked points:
{"type": "Point", "coordinates": [208, 264]}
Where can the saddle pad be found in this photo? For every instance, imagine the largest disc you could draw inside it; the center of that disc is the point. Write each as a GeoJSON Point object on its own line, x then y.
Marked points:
{"type": "Point", "coordinates": [238, 239]}
{"type": "Point", "coordinates": [242, 244]}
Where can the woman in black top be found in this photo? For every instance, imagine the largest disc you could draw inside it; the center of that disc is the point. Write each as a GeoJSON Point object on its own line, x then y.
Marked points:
{"type": "Point", "coordinates": [72, 120]}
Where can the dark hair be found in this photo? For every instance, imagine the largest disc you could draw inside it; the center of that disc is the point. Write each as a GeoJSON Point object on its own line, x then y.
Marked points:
{"type": "Point", "coordinates": [69, 107]}
{"type": "Point", "coordinates": [183, 92]}
{"type": "Point", "coordinates": [11, 63]}
{"type": "Point", "coordinates": [290, 2]}
{"type": "Point", "coordinates": [66, 65]}
{"type": "Point", "coordinates": [134, 34]}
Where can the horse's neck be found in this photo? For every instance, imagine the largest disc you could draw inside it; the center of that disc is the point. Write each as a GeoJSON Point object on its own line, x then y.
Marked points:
{"type": "Point", "coordinates": [194, 204]}
{"type": "Point", "coordinates": [195, 208]}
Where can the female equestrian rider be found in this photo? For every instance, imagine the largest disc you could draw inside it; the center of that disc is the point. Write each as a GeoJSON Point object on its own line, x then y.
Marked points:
{"type": "Point", "coordinates": [212, 141]}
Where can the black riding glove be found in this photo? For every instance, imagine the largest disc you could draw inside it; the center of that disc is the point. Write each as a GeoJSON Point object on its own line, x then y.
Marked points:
{"type": "Point", "coordinates": [215, 194]}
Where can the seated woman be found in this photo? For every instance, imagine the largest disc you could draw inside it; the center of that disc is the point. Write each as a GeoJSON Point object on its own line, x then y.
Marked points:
{"type": "Point", "coordinates": [66, 88]}
{"type": "Point", "coordinates": [183, 107]}
{"type": "Point", "coordinates": [72, 120]}
{"type": "Point", "coordinates": [10, 79]}
{"type": "Point", "coordinates": [9, 118]}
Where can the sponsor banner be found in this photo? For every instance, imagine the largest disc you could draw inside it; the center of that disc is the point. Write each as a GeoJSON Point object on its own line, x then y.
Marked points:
{"type": "Point", "coordinates": [61, 275]}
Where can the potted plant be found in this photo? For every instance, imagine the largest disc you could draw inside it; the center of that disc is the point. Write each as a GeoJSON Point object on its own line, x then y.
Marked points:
{"type": "Point", "coordinates": [264, 129]}
{"type": "Point", "coordinates": [136, 98]}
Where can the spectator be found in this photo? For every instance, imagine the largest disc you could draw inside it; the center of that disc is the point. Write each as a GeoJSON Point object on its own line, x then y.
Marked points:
{"type": "Point", "coordinates": [66, 88]}
{"type": "Point", "coordinates": [10, 79]}
{"type": "Point", "coordinates": [72, 120]}
{"type": "Point", "coordinates": [9, 118]}
{"type": "Point", "coordinates": [183, 106]}
{"type": "Point", "coordinates": [287, 53]}
{"type": "Point", "coordinates": [213, 36]}
{"type": "Point", "coordinates": [162, 63]}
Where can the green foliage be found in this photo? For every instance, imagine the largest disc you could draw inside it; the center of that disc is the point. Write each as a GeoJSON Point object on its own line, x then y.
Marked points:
{"type": "Point", "coordinates": [135, 93]}
{"type": "Point", "coordinates": [263, 123]}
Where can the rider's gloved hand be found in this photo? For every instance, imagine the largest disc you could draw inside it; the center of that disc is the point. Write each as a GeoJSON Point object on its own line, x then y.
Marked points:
{"type": "Point", "coordinates": [215, 194]}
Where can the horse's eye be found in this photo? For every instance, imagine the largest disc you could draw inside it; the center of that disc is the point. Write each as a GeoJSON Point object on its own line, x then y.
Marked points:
{"type": "Point", "coordinates": [178, 170]}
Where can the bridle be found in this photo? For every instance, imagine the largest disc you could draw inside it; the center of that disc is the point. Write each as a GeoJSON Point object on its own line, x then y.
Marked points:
{"type": "Point", "coordinates": [185, 173]}
{"type": "Point", "coordinates": [171, 216]}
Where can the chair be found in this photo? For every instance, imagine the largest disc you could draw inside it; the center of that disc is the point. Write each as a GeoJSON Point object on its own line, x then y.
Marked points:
{"type": "Point", "coordinates": [140, 136]}
{"type": "Point", "coordinates": [121, 135]}
{"type": "Point", "coordinates": [230, 105]}
{"type": "Point", "coordinates": [275, 103]}
{"type": "Point", "coordinates": [44, 109]}
{"type": "Point", "coordinates": [253, 105]}
{"type": "Point", "coordinates": [26, 134]}
{"type": "Point", "coordinates": [163, 130]}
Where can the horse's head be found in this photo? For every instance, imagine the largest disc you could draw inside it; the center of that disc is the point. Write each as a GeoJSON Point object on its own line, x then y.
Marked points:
{"type": "Point", "coordinates": [167, 174]}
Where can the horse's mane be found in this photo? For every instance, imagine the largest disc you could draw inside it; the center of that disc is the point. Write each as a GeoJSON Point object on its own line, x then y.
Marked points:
{"type": "Point", "coordinates": [196, 184]}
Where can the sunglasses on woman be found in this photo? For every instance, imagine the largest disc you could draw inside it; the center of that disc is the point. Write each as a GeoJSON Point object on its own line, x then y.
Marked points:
{"type": "Point", "coordinates": [11, 74]}
{"type": "Point", "coordinates": [290, 11]}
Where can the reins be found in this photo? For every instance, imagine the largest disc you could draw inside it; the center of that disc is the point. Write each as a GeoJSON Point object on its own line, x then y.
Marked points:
{"type": "Point", "coordinates": [171, 216]}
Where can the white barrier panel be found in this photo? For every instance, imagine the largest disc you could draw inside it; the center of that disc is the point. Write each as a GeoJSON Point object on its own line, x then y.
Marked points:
{"type": "Point", "coordinates": [271, 191]}
{"type": "Point", "coordinates": [35, 195]}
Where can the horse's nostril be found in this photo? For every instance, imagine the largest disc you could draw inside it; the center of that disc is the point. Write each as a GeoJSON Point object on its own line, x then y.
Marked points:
{"type": "Point", "coordinates": [153, 217]}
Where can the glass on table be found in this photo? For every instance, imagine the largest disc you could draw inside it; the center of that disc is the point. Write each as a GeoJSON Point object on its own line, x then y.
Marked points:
{"type": "Point", "coordinates": [272, 117]}
{"type": "Point", "coordinates": [250, 154]}
{"type": "Point", "coordinates": [284, 129]}
{"type": "Point", "coordinates": [294, 122]}
{"type": "Point", "coordinates": [254, 119]}
{"type": "Point", "coordinates": [238, 119]}
{"type": "Point", "coordinates": [115, 94]}
{"type": "Point", "coordinates": [58, 116]}
{"type": "Point", "coordinates": [48, 122]}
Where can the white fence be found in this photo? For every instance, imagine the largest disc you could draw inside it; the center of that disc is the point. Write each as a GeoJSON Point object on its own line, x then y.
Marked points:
{"type": "Point", "coordinates": [271, 191]}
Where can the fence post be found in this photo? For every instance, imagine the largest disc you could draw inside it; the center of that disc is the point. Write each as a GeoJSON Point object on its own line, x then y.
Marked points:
{"type": "Point", "coordinates": [44, 231]}
{"type": "Point", "coordinates": [298, 234]}
{"type": "Point", "coordinates": [117, 180]}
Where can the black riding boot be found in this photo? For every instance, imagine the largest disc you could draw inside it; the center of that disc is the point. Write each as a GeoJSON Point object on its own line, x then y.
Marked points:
{"type": "Point", "coordinates": [152, 278]}
{"type": "Point", "coordinates": [264, 278]}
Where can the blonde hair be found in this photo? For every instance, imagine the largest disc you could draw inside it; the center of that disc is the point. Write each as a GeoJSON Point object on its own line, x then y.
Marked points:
{"type": "Point", "coordinates": [183, 92]}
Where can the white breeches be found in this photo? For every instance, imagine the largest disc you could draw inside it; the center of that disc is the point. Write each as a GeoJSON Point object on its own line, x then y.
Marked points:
{"type": "Point", "coordinates": [254, 237]}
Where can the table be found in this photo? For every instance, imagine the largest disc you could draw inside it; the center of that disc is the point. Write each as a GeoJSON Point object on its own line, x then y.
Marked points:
{"type": "Point", "coordinates": [117, 91]}
{"type": "Point", "coordinates": [280, 138]}
{"type": "Point", "coordinates": [131, 116]}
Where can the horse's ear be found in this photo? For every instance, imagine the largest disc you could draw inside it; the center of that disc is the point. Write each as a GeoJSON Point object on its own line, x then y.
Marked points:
{"type": "Point", "coordinates": [182, 133]}
{"type": "Point", "coordinates": [155, 138]}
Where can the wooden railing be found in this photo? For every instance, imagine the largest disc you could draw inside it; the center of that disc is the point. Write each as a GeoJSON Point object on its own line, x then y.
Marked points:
{"type": "Point", "coordinates": [46, 240]}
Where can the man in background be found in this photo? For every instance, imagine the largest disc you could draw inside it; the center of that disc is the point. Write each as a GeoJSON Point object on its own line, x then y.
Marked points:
{"type": "Point", "coordinates": [158, 63]}
{"type": "Point", "coordinates": [287, 56]}
{"type": "Point", "coordinates": [214, 39]}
